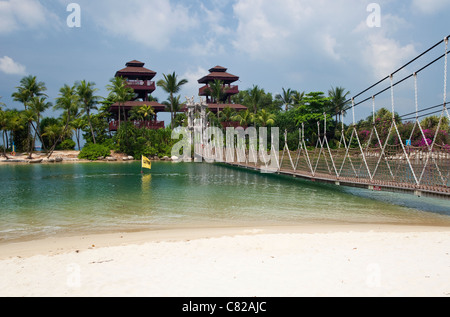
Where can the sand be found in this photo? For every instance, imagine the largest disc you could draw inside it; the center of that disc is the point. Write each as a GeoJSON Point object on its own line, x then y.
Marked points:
{"type": "Point", "coordinates": [318, 260]}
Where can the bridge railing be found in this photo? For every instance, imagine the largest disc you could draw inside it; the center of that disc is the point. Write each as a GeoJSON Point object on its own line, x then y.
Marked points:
{"type": "Point", "coordinates": [381, 157]}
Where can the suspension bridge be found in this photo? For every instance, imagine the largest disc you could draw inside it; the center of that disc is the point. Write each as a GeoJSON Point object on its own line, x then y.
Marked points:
{"type": "Point", "coordinates": [386, 160]}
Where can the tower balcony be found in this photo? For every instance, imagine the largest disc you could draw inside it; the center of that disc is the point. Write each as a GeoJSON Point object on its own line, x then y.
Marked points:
{"type": "Point", "coordinates": [229, 90]}
{"type": "Point", "coordinates": [151, 125]}
{"type": "Point", "coordinates": [146, 85]}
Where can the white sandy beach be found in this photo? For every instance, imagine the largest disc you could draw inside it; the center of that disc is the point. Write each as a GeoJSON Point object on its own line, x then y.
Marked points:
{"type": "Point", "coordinates": [356, 260]}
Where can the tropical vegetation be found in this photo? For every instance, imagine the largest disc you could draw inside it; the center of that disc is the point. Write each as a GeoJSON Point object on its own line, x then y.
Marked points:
{"type": "Point", "coordinates": [84, 119]}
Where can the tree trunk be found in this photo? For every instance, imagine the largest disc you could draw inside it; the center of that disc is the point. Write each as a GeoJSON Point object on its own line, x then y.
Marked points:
{"type": "Point", "coordinates": [119, 114]}
{"type": "Point", "coordinates": [29, 141]}
{"type": "Point", "coordinates": [7, 141]}
{"type": "Point", "coordinates": [90, 125]}
{"type": "Point", "coordinates": [77, 134]}
{"type": "Point", "coordinates": [39, 134]}
{"type": "Point", "coordinates": [171, 111]}
{"type": "Point", "coordinates": [4, 147]}
{"type": "Point", "coordinates": [36, 133]}
{"type": "Point", "coordinates": [60, 137]}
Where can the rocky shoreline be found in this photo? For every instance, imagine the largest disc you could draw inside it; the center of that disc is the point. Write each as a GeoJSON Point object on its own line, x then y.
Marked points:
{"type": "Point", "coordinates": [69, 157]}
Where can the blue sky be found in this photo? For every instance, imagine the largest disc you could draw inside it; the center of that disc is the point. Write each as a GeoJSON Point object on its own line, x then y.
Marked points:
{"type": "Point", "coordinates": [307, 45]}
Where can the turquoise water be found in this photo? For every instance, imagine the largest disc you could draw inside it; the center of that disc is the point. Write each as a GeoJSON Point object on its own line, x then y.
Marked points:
{"type": "Point", "coordinates": [44, 200]}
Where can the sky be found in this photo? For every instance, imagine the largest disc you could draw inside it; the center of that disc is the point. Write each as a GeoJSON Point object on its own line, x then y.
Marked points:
{"type": "Point", "coordinates": [305, 45]}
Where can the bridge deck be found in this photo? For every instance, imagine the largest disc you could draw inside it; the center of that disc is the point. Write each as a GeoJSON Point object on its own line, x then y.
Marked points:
{"type": "Point", "coordinates": [442, 192]}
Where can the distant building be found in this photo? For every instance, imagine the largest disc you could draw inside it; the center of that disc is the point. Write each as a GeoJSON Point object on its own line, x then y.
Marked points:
{"type": "Point", "coordinates": [141, 80]}
{"type": "Point", "coordinates": [220, 73]}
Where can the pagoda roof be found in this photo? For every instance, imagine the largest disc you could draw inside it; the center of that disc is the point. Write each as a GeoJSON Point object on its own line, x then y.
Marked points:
{"type": "Point", "coordinates": [136, 68]}
{"type": "Point", "coordinates": [135, 63]}
{"type": "Point", "coordinates": [218, 69]}
{"type": "Point", "coordinates": [219, 73]}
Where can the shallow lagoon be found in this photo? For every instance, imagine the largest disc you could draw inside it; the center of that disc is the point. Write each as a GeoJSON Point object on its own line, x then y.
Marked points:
{"type": "Point", "coordinates": [43, 200]}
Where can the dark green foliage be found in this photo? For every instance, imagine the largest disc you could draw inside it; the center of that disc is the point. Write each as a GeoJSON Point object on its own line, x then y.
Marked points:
{"type": "Point", "coordinates": [137, 142]}
{"type": "Point", "coordinates": [93, 151]}
{"type": "Point", "coordinates": [67, 145]}
{"type": "Point", "coordinates": [100, 128]}
{"type": "Point", "coordinates": [20, 138]}
{"type": "Point", "coordinates": [46, 122]}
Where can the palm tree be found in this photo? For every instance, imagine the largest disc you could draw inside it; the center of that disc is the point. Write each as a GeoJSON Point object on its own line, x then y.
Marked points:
{"type": "Point", "coordinates": [298, 97]}
{"type": "Point", "coordinates": [78, 124]}
{"type": "Point", "coordinates": [177, 105]}
{"type": "Point", "coordinates": [339, 102]}
{"type": "Point", "coordinates": [28, 89]}
{"type": "Point", "coordinates": [172, 86]}
{"type": "Point", "coordinates": [14, 121]}
{"type": "Point", "coordinates": [54, 132]}
{"type": "Point", "coordinates": [3, 128]}
{"type": "Point", "coordinates": [147, 112]}
{"type": "Point", "coordinates": [264, 118]}
{"type": "Point", "coordinates": [226, 115]}
{"type": "Point", "coordinates": [29, 116]}
{"type": "Point", "coordinates": [89, 101]}
{"type": "Point", "coordinates": [120, 92]}
{"type": "Point", "coordinates": [68, 101]}
{"type": "Point", "coordinates": [245, 118]}
{"type": "Point", "coordinates": [217, 91]}
{"type": "Point", "coordinates": [255, 95]}
{"type": "Point", "coordinates": [38, 105]}
{"type": "Point", "coordinates": [286, 98]}
{"type": "Point", "coordinates": [144, 113]}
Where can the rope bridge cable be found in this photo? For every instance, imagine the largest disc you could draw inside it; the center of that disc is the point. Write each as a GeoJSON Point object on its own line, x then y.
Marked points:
{"type": "Point", "coordinates": [383, 159]}
{"type": "Point", "coordinates": [400, 81]}
{"type": "Point", "coordinates": [395, 84]}
{"type": "Point", "coordinates": [424, 115]}
{"type": "Point", "coordinates": [423, 110]}
{"type": "Point", "coordinates": [398, 70]}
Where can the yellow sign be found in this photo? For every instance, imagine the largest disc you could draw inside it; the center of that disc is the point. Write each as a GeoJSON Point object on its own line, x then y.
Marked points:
{"type": "Point", "coordinates": [146, 182]}
{"type": "Point", "coordinates": [146, 163]}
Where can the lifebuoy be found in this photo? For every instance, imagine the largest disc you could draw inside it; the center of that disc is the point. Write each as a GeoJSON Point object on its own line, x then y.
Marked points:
{"type": "Point", "coordinates": [13, 153]}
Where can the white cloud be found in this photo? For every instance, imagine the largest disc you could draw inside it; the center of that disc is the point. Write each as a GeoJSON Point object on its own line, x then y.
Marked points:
{"type": "Point", "coordinates": [317, 34]}
{"type": "Point", "coordinates": [384, 55]}
{"type": "Point", "coordinates": [10, 67]}
{"type": "Point", "coordinates": [24, 14]}
{"type": "Point", "coordinates": [215, 20]}
{"type": "Point", "coordinates": [381, 51]}
{"type": "Point", "coordinates": [191, 89]}
{"type": "Point", "coordinates": [330, 45]}
{"type": "Point", "coordinates": [151, 23]}
{"type": "Point", "coordinates": [213, 31]}
{"type": "Point", "coordinates": [269, 28]}
{"type": "Point", "coordinates": [430, 6]}
{"type": "Point", "coordinates": [286, 28]}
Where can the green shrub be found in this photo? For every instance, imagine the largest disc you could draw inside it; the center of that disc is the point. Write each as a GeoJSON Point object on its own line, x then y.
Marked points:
{"type": "Point", "coordinates": [93, 151]}
{"type": "Point", "coordinates": [67, 145]}
{"type": "Point", "coordinates": [109, 143]}
{"type": "Point", "coordinates": [137, 142]}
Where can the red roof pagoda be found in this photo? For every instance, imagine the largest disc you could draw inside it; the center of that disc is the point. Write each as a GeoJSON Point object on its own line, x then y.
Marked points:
{"type": "Point", "coordinates": [220, 73]}
{"type": "Point", "coordinates": [141, 80]}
